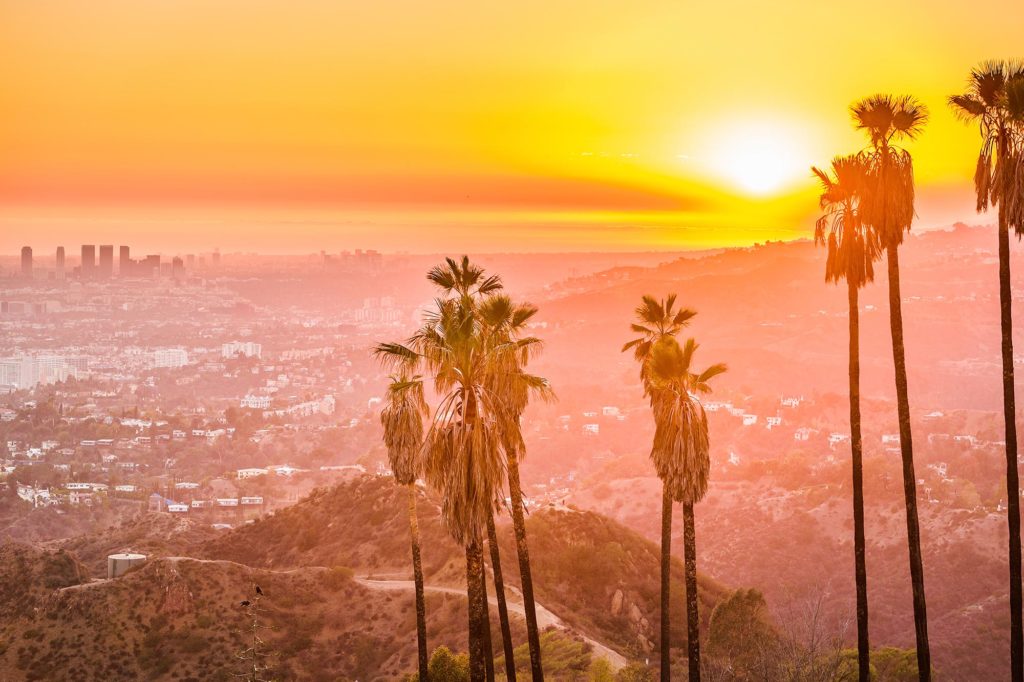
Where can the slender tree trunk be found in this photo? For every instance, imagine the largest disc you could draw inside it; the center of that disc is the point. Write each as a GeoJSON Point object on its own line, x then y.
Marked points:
{"type": "Point", "coordinates": [909, 479]}
{"type": "Point", "coordinates": [859, 550]}
{"type": "Point", "coordinates": [488, 646]}
{"type": "Point", "coordinates": [666, 584]}
{"type": "Point", "coordinates": [499, 591]}
{"type": "Point", "coordinates": [477, 615]}
{"type": "Point", "coordinates": [417, 570]}
{"type": "Point", "coordinates": [692, 615]}
{"type": "Point", "coordinates": [523, 551]}
{"type": "Point", "coordinates": [1012, 477]}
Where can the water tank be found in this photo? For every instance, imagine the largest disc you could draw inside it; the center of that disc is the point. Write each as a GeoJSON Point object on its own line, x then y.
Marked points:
{"type": "Point", "coordinates": [118, 564]}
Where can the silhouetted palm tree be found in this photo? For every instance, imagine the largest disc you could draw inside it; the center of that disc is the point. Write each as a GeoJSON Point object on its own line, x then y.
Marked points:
{"type": "Point", "coordinates": [995, 100]}
{"type": "Point", "coordinates": [402, 419]}
{"type": "Point", "coordinates": [499, 593]}
{"type": "Point", "coordinates": [657, 320]}
{"type": "Point", "coordinates": [658, 323]}
{"type": "Point", "coordinates": [852, 250]}
{"type": "Point", "coordinates": [887, 207]}
{"type": "Point", "coordinates": [681, 456]}
{"type": "Point", "coordinates": [506, 323]}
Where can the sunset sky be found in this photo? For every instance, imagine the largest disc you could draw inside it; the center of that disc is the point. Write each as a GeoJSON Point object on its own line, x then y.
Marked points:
{"type": "Point", "coordinates": [463, 125]}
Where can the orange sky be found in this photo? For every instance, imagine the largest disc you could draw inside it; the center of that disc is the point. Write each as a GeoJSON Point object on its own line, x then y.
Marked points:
{"type": "Point", "coordinates": [462, 125]}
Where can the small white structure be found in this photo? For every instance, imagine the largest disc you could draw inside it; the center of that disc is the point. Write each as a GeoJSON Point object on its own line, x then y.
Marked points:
{"type": "Point", "coordinates": [118, 564]}
{"type": "Point", "coordinates": [250, 473]}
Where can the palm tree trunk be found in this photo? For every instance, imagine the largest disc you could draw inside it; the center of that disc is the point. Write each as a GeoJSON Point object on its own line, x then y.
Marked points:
{"type": "Point", "coordinates": [488, 647]}
{"type": "Point", "coordinates": [417, 570]}
{"type": "Point", "coordinates": [909, 480]}
{"type": "Point", "coordinates": [1012, 476]}
{"type": "Point", "coordinates": [499, 591]}
{"type": "Point", "coordinates": [477, 616]}
{"type": "Point", "coordinates": [859, 549]}
{"type": "Point", "coordinates": [692, 615]}
{"type": "Point", "coordinates": [523, 551]}
{"type": "Point", "coordinates": [666, 584]}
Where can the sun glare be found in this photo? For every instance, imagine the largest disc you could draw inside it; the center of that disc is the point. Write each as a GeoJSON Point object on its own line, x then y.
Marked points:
{"type": "Point", "coordinates": [758, 158]}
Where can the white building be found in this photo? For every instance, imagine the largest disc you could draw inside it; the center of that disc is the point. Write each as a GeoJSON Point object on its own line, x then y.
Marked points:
{"type": "Point", "coordinates": [243, 474]}
{"type": "Point", "coordinates": [255, 402]}
{"type": "Point", "coordinates": [246, 349]}
{"type": "Point", "coordinates": [172, 358]}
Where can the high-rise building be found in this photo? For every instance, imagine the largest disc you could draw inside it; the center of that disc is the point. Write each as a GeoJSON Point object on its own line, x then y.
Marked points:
{"type": "Point", "coordinates": [60, 262]}
{"type": "Point", "coordinates": [88, 261]}
{"type": "Point", "coordinates": [150, 267]}
{"type": "Point", "coordinates": [124, 262]}
{"type": "Point", "coordinates": [26, 262]}
{"type": "Point", "coordinates": [177, 268]}
{"type": "Point", "coordinates": [106, 261]}
{"type": "Point", "coordinates": [216, 258]}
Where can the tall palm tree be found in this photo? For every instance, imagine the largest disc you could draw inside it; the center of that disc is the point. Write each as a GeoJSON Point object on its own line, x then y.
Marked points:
{"type": "Point", "coordinates": [995, 100]}
{"type": "Point", "coordinates": [506, 323]}
{"type": "Point", "coordinates": [402, 419]}
{"type": "Point", "coordinates": [472, 368]}
{"type": "Point", "coordinates": [657, 320]}
{"type": "Point", "coordinates": [887, 207]}
{"type": "Point", "coordinates": [681, 456]}
{"type": "Point", "coordinates": [461, 457]}
{"type": "Point", "coordinates": [852, 250]}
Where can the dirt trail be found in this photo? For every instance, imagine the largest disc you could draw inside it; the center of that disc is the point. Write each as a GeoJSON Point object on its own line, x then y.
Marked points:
{"type": "Point", "coordinates": [545, 618]}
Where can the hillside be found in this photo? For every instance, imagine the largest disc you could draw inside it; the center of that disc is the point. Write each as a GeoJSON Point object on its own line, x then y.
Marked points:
{"type": "Point", "coordinates": [179, 618]}
{"type": "Point", "coordinates": [593, 573]}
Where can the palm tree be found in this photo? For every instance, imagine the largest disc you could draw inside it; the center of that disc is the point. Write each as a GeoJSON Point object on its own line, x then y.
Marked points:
{"type": "Point", "coordinates": [995, 100]}
{"type": "Point", "coordinates": [681, 456]}
{"type": "Point", "coordinates": [402, 419]}
{"type": "Point", "coordinates": [506, 323]}
{"type": "Point", "coordinates": [852, 250]}
{"type": "Point", "coordinates": [461, 456]}
{"type": "Point", "coordinates": [887, 207]}
{"type": "Point", "coordinates": [474, 373]}
{"type": "Point", "coordinates": [657, 320]}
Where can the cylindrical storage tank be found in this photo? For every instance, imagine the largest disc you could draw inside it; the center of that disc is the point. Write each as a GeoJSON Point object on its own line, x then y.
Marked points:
{"type": "Point", "coordinates": [118, 564]}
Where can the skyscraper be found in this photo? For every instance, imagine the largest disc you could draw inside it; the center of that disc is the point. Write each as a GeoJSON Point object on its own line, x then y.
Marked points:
{"type": "Point", "coordinates": [124, 262]}
{"type": "Point", "coordinates": [26, 262]}
{"type": "Point", "coordinates": [60, 262]}
{"type": "Point", "coordinates": [177, 268]}
{"type": "Point", "coordinates": [88, 261]}
{"type": "Point", "coordinates": [106, 261]}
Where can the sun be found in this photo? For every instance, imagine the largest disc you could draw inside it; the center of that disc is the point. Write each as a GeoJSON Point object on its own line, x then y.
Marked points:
{"type": "Point", "coordinates": [757, 158]}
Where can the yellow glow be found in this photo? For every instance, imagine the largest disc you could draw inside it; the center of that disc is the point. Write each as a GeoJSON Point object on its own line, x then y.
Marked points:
{"type": "Point", "coordinates": [325, 113]}
{"type": "Point", "coordinates": [759, 158]}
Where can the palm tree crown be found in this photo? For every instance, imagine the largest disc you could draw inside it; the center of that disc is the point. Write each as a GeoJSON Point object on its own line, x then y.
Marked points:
{"type": "Point", "coordinates": [887, 204]}
{"type": "Point", "coordinates": [681, 451]}
{"type": "Point", "coordinates": [994, 98]}
{"type": "Point", "coordinates": [852, 247]}
{"type": "Point", "coordinates": [402, 418]}
{"type": "Point", "coordinates": [656, 320]}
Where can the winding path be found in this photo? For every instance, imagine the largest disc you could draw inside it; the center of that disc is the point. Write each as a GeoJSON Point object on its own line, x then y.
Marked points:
{"type": "Point", "coordinates": [545, 618]}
